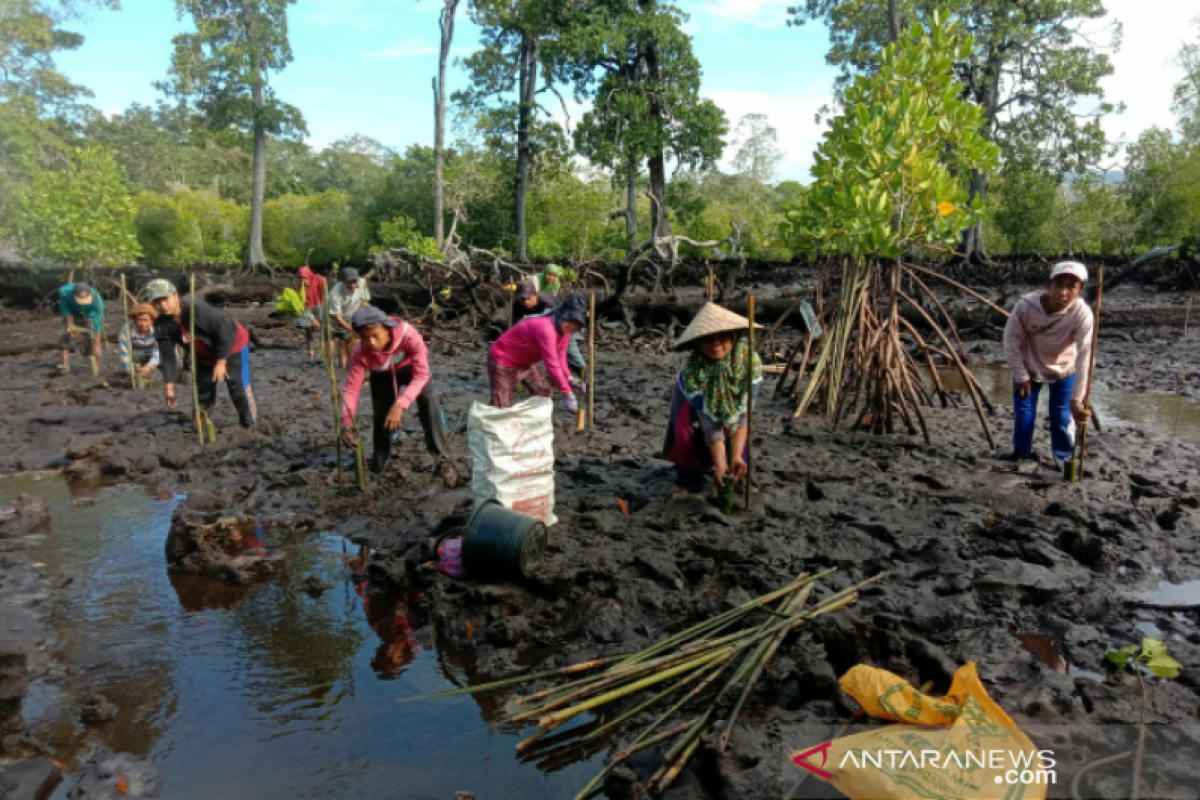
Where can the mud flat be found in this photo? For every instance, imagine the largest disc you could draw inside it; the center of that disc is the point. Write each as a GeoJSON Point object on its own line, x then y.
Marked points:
{"type": "Point", "coordinates": [976, 555]}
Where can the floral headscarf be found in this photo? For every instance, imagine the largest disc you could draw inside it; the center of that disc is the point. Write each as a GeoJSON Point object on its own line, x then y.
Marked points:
{"type": "Point", "coordinates": [720, 385]}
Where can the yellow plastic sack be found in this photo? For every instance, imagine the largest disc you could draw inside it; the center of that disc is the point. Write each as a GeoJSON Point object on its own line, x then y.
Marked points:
{"type": "Point", "coordinates": [962, 745]}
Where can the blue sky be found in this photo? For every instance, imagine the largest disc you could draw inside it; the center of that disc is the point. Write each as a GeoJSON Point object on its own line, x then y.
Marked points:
{"type": "Point", "coordinates": [365, 66]}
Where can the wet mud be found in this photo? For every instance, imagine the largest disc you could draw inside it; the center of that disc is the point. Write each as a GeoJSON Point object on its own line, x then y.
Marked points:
{"type": "Point", "coordinates": [980, 558]}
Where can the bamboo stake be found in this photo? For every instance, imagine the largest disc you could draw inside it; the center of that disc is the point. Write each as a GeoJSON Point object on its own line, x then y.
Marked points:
{"type": "Point", "coordinates": [591, 361]}
{"type": "Point", "coordinates": [330, 356]}
{"type": "Point", "coordinates": [134, 374]}
{"type": "Point", "coordinates": [195, 386]}
{"type": "Point", "coordinates": [710, 279]}
{"type": "Point", "coordinates": [1087, 400]}
{"type": "Point", "coordinates": [633, 712]}
{"type": "Point", "coordinates": [360, 461]}
{"type": "Point", "coordinates": [750, 405]}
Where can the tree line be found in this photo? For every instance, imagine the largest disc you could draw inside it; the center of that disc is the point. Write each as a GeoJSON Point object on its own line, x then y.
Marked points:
{"type": "Point", "coordinates": [218, 171]}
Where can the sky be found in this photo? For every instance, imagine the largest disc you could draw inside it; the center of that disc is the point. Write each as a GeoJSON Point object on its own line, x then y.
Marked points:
{"type": "Point", "coordinates": [366, 66]}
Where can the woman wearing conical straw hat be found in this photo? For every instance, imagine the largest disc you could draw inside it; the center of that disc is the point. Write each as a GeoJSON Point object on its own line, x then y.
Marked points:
{"type": "Point", "coordinates": [709, 400]}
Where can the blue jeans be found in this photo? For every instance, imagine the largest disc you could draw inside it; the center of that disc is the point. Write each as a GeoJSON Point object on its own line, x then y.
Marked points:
{"type": "Point", "coordinates": [1062, 441]}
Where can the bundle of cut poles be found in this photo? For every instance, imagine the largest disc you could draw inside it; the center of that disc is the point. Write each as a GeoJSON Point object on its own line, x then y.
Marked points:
{"type": "Point", "coordinates": [687, 681]}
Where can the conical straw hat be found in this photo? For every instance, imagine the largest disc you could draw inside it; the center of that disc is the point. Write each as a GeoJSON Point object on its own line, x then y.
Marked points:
{"type": "Point", "coordinates": [709, 320]}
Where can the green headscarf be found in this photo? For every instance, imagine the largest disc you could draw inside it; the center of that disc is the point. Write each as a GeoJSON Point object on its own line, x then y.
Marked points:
{"type": "Point", "coordinates": [721, 384]}
{"type": "Point", "coordinates": [551, 278]}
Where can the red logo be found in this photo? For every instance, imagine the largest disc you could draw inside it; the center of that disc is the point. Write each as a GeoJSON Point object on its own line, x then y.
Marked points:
{"type": "Point", "coordinates": [823, 749]}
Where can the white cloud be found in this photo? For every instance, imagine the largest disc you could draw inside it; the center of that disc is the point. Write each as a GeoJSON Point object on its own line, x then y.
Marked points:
{"type": "Point", "coordinates": [763, 14]}
{"type": "Point", "coordinates": [1144, 70]}
{"type": "Point", "coordinates": [792, 116]}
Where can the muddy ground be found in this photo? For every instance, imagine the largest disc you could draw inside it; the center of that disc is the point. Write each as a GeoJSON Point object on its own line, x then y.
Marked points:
{"type": "Point", "coordinates": [975, 552]}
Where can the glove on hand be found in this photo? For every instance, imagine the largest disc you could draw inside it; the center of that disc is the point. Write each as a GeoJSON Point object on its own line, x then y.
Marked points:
{"type": "Point", "coordinates": [571, 403]}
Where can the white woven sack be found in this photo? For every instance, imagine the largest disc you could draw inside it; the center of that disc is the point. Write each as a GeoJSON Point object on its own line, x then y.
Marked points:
{"type": "Point", "coordinates": [512, 456]}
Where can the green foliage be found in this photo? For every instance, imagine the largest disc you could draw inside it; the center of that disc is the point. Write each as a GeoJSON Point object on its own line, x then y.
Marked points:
{"type": "Point", "coordinates": [570, 217]}
{"type": "Point", "coordinates": [402, 232]}
{"type": "Point", "coordinates": [322, 225]}
{"type": "Point", "coordinates": [190, 227]}
{"type": "Point", "coordinates": [290, 302]}
{"type": "Point", "coordinates": [1187, 91]}
{"type": "Point", "coordinates": [885, 170]}
{"type": "Point", "coordinates": [1164, 185]}
{"type": "Point", "coordinates": [82, 214]}
{"type": "Point", "coordinates": [1036, 78]}
{"type": "Point", "coordinates": [1151, 654]}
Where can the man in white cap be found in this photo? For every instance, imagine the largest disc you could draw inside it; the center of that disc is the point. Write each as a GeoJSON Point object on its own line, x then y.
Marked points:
{"type": "Point", "coordinates": [347, 296]}
{"type": "Point", "coordinates": [1048, 340]}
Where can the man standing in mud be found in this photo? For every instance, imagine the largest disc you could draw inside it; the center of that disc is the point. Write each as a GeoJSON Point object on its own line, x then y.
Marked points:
{"type": "Point", "coordinates": [1048, 341]}
{"type": "Point", "coordinates": [82, 313]}
{"type": "Point", "coordinates": [347, 296]}
{"type": "Point", "coordinates": [222, 349]}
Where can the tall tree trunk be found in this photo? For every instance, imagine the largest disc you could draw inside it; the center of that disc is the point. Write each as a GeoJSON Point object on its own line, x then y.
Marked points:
{"type": "Point", "coordinates": [631, 202]}
{"type": "Point", "coordinates": [895, 22]}
{"type": "Point", "coordinates": [657, 164]}
{"type": "Point", "coordinates": [255, 258]}
{"type": "Point", "coordinates": [972, 245]}
{"type": "Point", "coordinates": [528, 58]}
{"type": "Point", "coordinates": [446, 23]}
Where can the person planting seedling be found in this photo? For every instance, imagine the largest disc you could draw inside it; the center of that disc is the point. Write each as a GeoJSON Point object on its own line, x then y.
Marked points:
{"type": "Point", "coordinates": [222, 348]}
{"type": "Point", "coordinates": [345, 298]}
{"type": "Point", "coordinates": [709, 401]}
{"type": "Point", "coordinates": [82, 311]}
{"type": "Point", "coordinates": [529, 302]}
{"type": "Point", "coordinates": [395, 354]}
{"type": "Point", "coordinates": [1047, 341]}
{"type": "Point", "coordinates": [514, 357]}
{"type": "Point", "coordinates": [137, 346]}
{"type": "Point", "coordinates": [313, 287]}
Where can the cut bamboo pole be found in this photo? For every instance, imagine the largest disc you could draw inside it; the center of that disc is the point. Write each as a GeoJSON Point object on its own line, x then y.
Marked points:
{"type": "Point", "coordinates": [195, 385]}
{"type": "Point", "coordinates": [134, 374]}
{"type": "Point", "coordinates": [1087, 400]}
{"type": "Point", "coordinates": [591, 361]}
{"type": "Point", "coordinates": [330, 356]}
{"type": "Point", "coordinates": [506, 682]}
{"type": "Point", "coordinates": [750, 405]}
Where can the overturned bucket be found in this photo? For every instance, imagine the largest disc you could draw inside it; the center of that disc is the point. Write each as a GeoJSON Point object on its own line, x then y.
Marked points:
{"type": "Point", "coordinates": [499, 543]}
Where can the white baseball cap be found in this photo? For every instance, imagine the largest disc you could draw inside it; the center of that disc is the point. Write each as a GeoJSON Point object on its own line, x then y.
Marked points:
{"type": "Point", "coordinates": [1069, 268]}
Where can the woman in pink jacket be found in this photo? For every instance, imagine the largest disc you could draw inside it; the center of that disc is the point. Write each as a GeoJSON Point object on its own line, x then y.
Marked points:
{"type": "Point", "coordinates": [395, 354]}
{"type": "Point", "coordinates": [514, 357]}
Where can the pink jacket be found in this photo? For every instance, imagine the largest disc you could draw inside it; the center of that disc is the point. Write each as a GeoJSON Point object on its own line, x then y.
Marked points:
{"type": "Point", "coordinates": [407, 349]}
{"type": "Point", "coordinates": [1046, 347]}
{"type": "Point", "coordinates": [531, 340]}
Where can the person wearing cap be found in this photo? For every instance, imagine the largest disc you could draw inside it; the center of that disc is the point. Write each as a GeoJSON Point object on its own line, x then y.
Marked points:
{"type": "Point", "coordinates": [346, 297]}
{"type": "Point", "coordinates": [137, 345]}
{"type": "Point", "coordinates": [82, 312]}
{"type": "Point", "coordinates": [513, 358]}
{"type": "Point", "coordinates": [1048, 341]}
{"type": "Point", "coordinates": [395, 355]}
{"type": "Point", "coordinates": [222, 349]}
{"type": "Point", "coordinates": [709, 400]}
{"type": "Point", "coordinates": [529, 302]}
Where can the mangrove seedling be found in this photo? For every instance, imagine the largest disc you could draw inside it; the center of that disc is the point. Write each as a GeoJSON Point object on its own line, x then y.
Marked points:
{"type": "Point", "coordinates": [290, 302]}
{"type": "Point", "coordinates": [1151, 655]}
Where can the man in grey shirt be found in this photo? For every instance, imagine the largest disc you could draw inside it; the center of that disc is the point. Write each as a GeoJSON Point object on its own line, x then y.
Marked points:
{"type": "Point", "coordinates": [347, 296]}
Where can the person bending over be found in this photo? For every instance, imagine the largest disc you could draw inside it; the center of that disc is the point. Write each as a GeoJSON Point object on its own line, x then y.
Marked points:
{"type": "Point", "coordinates": [82, 312]}
{"type": "Point", "coordinates": [222, 350]}
{"type": "Point", "coordinates": [513, 358]}
{"type": "Point", "coordinates": [394, 354]}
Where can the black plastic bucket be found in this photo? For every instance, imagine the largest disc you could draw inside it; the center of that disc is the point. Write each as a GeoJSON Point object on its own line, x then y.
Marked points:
{"type": "Point", "coordinates": [502, 544]}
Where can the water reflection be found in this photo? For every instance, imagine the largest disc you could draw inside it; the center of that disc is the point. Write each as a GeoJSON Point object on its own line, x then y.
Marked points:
{"type": "Point", "coordinates": [263, 691]}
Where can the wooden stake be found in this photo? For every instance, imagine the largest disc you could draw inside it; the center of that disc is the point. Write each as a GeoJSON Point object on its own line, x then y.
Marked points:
{"type": "Point", "coordinates": [591, 362]}
{"type": "Point", "coordinates": [331, 367]}
{"type": "Point", "coordinates": [195, 386]}
{"type": "Point", "coordinates": [134, 374]}
{"type": "Point", "coordinates": [581, 419]}
{"type": "Point", "coordinates": [750, 405]}
{"type": "Point", "coordinates": [710, 280]}
{"type": "Point", "coordinates": [1087, 400]}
